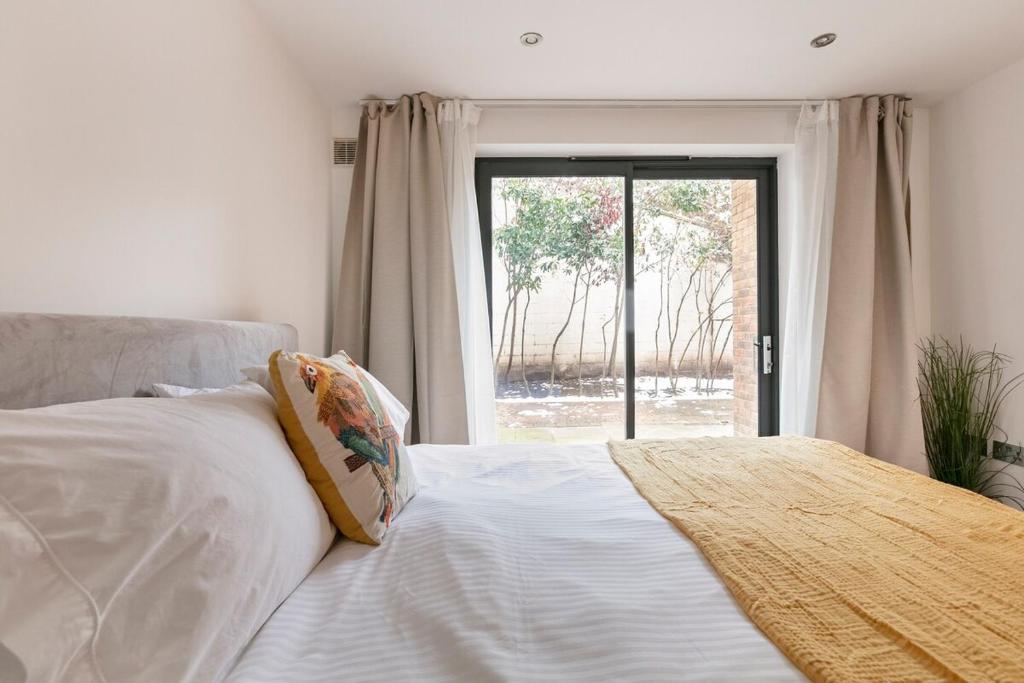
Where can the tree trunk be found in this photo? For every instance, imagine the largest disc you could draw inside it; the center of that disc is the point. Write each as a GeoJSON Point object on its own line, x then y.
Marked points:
{"type": "Point", "coordinates": [699, 328]}
{"type": "Point", "coordinates": [512, 337]}
{"type": "Point", "coordinates": [710, 339]}
{"type": "Point", "coordinates": [674, 333]}
{"type": "Point", "coordinates": [668, 325]}
{"type": "Point", "coordinates": [501, 343]}
{"type": "Point", "coordinates": [702, 333]}
{"type": "Point", "coordinates": [657, 327]}
{"type": "Point", "coordinates": [522, 346]}
{"type": "Point", "coordinates": [682, 357]}
{"type": "Point", "coordinates": [619, 306]}
{"type": "Point", "coordinates": [583, 331]}
{"type": "Point", "coordinates": [554, 345]}
{"type": "Point", "coordinates": [721, 353]}
{"type": "Point", "coordinates": [606, 364]}
{"type": "Point", "coordinates": [714, 333]}
{"type": "Point", "coordinates": [604, 348]}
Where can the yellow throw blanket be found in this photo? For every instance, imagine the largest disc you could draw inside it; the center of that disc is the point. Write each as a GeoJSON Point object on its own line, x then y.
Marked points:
{"type": "Point", "coordinates": [858, 570]}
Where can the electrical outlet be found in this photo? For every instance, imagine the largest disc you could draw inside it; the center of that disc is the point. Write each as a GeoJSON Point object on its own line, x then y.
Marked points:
{"type": "Point", "coordinates": [1007, 452]}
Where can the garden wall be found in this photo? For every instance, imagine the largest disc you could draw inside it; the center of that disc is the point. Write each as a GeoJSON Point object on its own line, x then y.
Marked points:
{"type": "Point", "coordinates": [547, 312]}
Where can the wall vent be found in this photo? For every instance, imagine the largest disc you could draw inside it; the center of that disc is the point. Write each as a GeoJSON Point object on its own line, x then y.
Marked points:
{"type": "Point", "coordinates": [344, 151]}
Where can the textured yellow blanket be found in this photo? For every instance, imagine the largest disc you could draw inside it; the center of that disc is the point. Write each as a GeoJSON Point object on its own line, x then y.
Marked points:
{"type": "Point", "coordinates": [858, 570]}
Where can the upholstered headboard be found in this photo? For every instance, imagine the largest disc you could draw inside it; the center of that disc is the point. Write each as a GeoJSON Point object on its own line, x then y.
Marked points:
{"type": "Point", "coordinates": [48, 359]}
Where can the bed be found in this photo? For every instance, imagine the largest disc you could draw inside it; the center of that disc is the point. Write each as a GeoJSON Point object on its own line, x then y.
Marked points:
{"type": "Point", "coordinates": [516, 563]}
{"type": "Point", "coordinates": [512, 562]}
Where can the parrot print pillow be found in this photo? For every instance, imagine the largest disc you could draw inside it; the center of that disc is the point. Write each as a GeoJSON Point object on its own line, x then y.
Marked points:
{"type": "Point", "coordinates": [345, 441]}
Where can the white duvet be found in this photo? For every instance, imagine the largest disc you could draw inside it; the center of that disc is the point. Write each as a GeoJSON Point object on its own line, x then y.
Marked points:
{"type": "Point", "coordinates": [515, 563]}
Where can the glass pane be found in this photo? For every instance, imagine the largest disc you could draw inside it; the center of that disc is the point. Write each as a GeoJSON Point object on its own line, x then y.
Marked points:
{"type": "Point", "coordinates": [557, 308]}
{"type": "Point", "coordinates": [696, 307]}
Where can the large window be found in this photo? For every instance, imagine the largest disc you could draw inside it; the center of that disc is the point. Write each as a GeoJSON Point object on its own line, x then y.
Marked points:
{"type": "Point", "coordinates": [630, 297]}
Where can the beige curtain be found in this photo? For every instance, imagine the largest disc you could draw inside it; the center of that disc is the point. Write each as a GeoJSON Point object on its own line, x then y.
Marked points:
{"type": "Point", "coordinates": [397, 310]}
{"type": "Point", "coordinates": [868, 397]}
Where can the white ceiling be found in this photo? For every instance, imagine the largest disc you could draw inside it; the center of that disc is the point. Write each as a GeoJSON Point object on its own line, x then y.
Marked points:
{"type": "Point", "coordinates": [646, 49]}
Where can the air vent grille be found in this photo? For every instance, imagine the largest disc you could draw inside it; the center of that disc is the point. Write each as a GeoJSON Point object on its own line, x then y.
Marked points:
{"type": "Point", "coordinates": [344, 151]}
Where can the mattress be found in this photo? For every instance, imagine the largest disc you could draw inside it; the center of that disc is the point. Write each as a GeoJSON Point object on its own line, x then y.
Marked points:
{"type": "Point", "coordinates": [515, 563]}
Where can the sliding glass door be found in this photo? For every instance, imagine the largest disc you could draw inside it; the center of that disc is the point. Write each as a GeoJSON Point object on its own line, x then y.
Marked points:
{"type": "Point", "coordinates": [630, 297]}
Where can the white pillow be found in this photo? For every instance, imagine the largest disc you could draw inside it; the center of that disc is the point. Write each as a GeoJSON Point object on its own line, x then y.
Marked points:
{"type": "Point", "coordinates": [176, 391]}
{"type": "Point", "coordinates": [149, 540]}
{"type": "Point", "coordinates": [397, 412]}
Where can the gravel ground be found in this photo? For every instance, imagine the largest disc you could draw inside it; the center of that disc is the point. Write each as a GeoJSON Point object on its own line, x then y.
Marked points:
{"type": "Point", "coordinates": [598, 415]}
{"type": "Point", "coordinates": [518, 414]}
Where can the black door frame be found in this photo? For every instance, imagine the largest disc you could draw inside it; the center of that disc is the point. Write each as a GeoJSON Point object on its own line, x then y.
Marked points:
{"type": "Point", "coordinates": [761, 169]}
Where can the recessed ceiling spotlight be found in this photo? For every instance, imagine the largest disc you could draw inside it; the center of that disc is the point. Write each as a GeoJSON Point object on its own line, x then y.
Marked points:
{"type": "Point", "coordinates": [824, 40]}
{"type": "Point", "coordinates": [530, 39]}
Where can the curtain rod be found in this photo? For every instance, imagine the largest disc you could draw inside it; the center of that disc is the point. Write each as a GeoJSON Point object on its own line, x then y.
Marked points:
{"type": "Point", "coordinates": [625, 104]}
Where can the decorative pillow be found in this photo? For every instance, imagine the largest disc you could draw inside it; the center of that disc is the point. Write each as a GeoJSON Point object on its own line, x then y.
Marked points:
{"type": "Point", "coordinates": [148, 540]}
{"type": "Point", "coordinates": [397, 411]}
{"type": "Point", "coordinates": [345, 441]}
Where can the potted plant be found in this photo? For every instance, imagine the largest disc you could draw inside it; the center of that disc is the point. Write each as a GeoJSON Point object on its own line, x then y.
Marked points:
{"type": "Point", "coordinates": [961, 391]}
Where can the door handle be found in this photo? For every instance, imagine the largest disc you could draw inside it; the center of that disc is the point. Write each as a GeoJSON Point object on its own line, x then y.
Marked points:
{"type": "Point", "coordinates": [767, 354]}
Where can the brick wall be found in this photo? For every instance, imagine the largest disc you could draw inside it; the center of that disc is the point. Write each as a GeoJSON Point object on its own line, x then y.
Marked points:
{"type": "Point", "coordinates": [744, 282]}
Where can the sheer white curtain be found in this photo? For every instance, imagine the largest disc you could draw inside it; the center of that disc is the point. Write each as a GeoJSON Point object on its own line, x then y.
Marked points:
{"type": "Point", "coordinates": [457, 121]}
{"type": "Point", "coordinates": [807, 276]}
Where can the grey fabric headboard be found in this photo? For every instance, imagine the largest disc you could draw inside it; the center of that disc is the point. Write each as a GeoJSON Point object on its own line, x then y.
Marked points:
{"type": "Point", "coordinates": [48, 359]}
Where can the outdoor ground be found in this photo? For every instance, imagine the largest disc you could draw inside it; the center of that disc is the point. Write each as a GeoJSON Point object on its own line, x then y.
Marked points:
{"type": "Point", "coordinates": [597, 415]}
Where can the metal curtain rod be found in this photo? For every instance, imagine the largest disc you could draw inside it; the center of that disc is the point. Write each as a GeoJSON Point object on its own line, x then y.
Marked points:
{"type": "Point", "coordinates": [626, 104]}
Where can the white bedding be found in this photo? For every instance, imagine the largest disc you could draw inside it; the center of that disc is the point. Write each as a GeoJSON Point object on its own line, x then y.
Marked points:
{"type": "Point", "coordinates": [148, 539]}
{"type": "Point", "coordinates": [515, 563]}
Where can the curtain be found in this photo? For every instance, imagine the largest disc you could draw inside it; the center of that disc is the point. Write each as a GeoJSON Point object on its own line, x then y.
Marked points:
{"type": "Point", "coordinates": [458, 123]}
{"type": "Point", "coordinates": [809, 257]}
{"type": "Point", "coordinates": [397, 312]}
{"type": "Point", "coordinates": [868, 393]}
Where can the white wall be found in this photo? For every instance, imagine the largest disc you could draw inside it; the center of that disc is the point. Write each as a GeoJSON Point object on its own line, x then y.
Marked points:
{"type": "Point", "coordinates": [977, 143]}
{"type": "Point", "coordinates": [638, 126]}
{"type": "Point", "coordinates": [344, 124]}
{"type": "Point", "coordinates": [160, 159]}
{"type": "Point", "coordinates": [920, 219]}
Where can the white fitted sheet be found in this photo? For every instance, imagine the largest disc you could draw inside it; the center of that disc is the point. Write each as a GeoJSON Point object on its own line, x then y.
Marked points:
{"type": "Point", "coordinates": [515, 563]}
